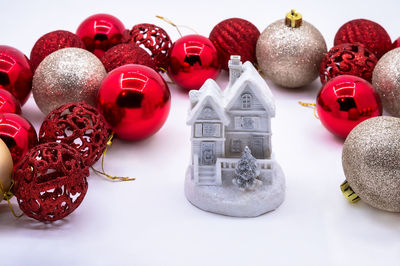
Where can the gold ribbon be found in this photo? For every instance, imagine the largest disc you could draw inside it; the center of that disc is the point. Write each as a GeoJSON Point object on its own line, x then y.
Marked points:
{"type": "Point", "coordinates": [7, 195]}
{"type": "Point", "coordinates": [310, 105]}
{"type": "Point", "coordinates": [176, 26]}
{"type": "Point", "coordinates": [348, 192]}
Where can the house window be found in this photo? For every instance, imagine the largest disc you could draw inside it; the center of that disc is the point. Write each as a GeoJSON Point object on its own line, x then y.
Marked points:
{"type": "Point", "coordinates": [246, 101]}
{"type": "Point", "coordinates": [236, 145]}
{"type": "Point", "coordinates": [198, 130]}
{"type": "Point", "coordinates": [247, 123]}
{"type": "Point", "coordinates": [211, 130]}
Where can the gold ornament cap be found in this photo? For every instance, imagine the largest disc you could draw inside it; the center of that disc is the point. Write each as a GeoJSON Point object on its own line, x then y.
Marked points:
{"type": "Point", "coordinates": [348, 192]}
{"type": "Point", "coordinates": [6, 168]}
{"type": "Point", "coordinates": [293, 19]}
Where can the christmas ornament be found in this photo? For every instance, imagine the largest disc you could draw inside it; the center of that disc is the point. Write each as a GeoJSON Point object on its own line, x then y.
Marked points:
{"type": "Point", "coordinates": [370, 162]}
{"type": "Point", "coordinates": [51, 42]}
{"type": "Point", "coordinates": [153, 39]}
{"type": "Point", "coordinates": [386, 80]}
{"type": "Point", "coordinates": [235, 36]}
{"type": "Point", "coordinates": [346, 101]}
{"type": "Point", "coordinates": [225, 148]}
{"type": "Point", "coordinates": [123, 54]}
{"type": "Point", "coordinates": [193, 60]}
{"type": "Point", "coordinates": [8, 103]}
{"type": "Point", "coordinates": [78, 125]}
{"type": "Point", "coordinates": [289, 51]}
{"type": "Point", "coordinates": [15, 73]}
{"type": "Point", "coordinates": [347, 59]}
{"type": "Point", "coordinates": [100, 32]}
{"type": "Point", "coordinates": [18, 134]}
{"type": "Point", "coordinates": [396, 43]}
{"type": "Point", "coordinates": [67, 75]}
{"type": "Point", "coordinates": [366, 32]}
{"type": "Point", "coordinates": [135, 101]}
{"type": "Point", "coordinates": [6, 168]}
{"type": "Point", "coordinates": [50, 181]}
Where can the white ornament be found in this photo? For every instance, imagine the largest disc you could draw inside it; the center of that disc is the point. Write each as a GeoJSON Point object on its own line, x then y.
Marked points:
{"type": "Point", "coordinates": [229, 129]}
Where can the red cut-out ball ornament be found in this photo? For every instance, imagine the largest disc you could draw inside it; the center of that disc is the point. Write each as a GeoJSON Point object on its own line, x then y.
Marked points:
{"type": "Point", "coordinates": [8, 103]}
{"type": "Point", "coordinates": [126, 53]}
{"type": "Point", "coordinates": [235, 36]}
{"type": "Point", "coordinates": [50, 181]}
{"type": "Point", "coordinates": [344, 102]}
{"type": "Point", "coordinates": [52, 42]}
{"type": "Point", "coordinates": [100, 32]}
{"type": "Point", "coordinates": [135, 100]}
{"type": "Point", "coordinates": [366, 32]}
{"type": "Point", "coordinates": [78, 125]}
{"type": "Point", "coordinates": [155, 40]}
{"type": "Point", "coordinates": [15, 73]}
{"type": "Point", "coordinates": [347, 59]}
{"type": "Point", "coordinates": [193, 60]}
{"type": "Point", "coordinates": [18, 134]}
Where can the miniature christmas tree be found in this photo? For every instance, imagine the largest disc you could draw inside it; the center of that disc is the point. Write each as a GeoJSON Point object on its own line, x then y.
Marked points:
{"type": "Point", "coordinates": [246, 171]}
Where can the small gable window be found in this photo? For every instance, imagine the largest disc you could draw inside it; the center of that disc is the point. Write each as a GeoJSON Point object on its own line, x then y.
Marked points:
{"type": "Point", "coordinates": [246, 101]}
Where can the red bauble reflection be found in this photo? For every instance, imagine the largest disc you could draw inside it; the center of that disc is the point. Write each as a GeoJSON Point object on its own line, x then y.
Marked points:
{"type": "Point", "coordinates": [8, 103]}
{"type": "Point", "coordinates": [15, 73]}
{"type": "Point", "coordinates": [100, 32]}
{"type": "Point", "coordinates": [193, 60]}
{"type": "Point", "coordinates": [346, 101]}
{"type": "Point", "coordinates": [135, 101]}
{"type": "Point", "coordinates": [18, 134]}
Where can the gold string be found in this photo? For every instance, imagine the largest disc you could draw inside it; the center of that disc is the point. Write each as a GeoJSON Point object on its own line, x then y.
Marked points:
{"type": "Point", "coordinates": [170, 81]}
{"type": "Point", "coordinates": [7, 195]}
{"type": "Point", "coordinates": [176, 26]}
{"type": "Point", "coordinates": [310, 105]}
{"type": "Point", "coordinates": [103, 172]}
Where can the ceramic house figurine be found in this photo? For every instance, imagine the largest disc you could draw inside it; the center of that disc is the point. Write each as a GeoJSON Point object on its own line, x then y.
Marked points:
{"type": "Point", "coordinates": [232, 170]}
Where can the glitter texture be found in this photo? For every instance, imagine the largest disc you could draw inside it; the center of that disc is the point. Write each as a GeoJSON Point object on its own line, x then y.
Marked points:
{"type": "Point", "coordinates": [371, 162]}
{"type": "Point", "coordinates": [67, 75]}
{"type": "Point", "coordinates": [386, 80]}
{"type": "Point", "coordinates": [290, 57]}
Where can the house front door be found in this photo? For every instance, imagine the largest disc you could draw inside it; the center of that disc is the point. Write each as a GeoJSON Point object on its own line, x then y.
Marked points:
{"type": "Point", "coordinates": [207, 152]}
{"type": "Point", "coordinates": [257, 147]}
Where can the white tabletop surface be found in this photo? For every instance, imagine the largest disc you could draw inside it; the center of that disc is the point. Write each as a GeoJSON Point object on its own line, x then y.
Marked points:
{"type": "Point", "coordinates": [149, 221]}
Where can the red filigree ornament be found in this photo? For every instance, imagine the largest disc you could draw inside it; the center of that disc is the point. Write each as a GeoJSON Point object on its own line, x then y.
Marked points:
{"type": "Point", "coordinates": [15, 73]}
{"type": "Point", "coordinates": [18, 134]}
{"type": "Point", "coordinates": [193, 60]}
{"type": "Point", "coordinates": [135, 100]}
{"type": "Point", "coordinates": [123, 54]}
{"type": "Point", "coordinates": [8, 103]}
{"type": "Point", "coordinates": [366, 32]}
{"type": "Point", "coordinates": [78, 125]}
{"type": "Point", "coordinates": [100, 32]}
{"type": "Point", "coordinates": [153, 39]}
{"type": "Point", "coordinates": [235, 36]}
{"type": "Point", "coordinates": [50, 181]}
{"type": "Point", "coordinates": [52, 42]}
{"type": "Point", "coordinates": [344, 102]}
{"type": "Point", "coordinates": [347, 59]}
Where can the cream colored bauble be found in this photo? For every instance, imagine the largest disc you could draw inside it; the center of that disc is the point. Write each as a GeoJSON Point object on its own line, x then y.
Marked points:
{"type": "Point", "coordinates": [6, 168]}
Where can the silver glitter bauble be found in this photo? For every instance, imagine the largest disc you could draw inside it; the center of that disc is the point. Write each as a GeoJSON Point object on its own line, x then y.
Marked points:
{"type": "Point", "coordinates": [290, 56]}
{"type": "Point", "coordinates": [67, 75]}
{"type": "Point", "coordinates": [386, 80]}
{"type": "Point", "coordinates": [371, 162]}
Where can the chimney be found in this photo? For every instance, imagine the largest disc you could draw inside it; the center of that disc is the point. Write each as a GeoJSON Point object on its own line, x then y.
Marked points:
{"type": "Point", "coordinates": [235, 69]}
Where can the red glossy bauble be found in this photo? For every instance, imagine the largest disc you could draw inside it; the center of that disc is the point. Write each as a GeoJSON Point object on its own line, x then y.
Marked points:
{"type": "Point", "coordinates": [235, 36]}
{"type": "Point", "coordinates": [15, 73]}
{"type": "Point", "coordinates": [155, 40]}
{"type": "Point", "coordinates": [366, 32]}
{"type": "Point", "coordinates": [100, 32]}
{"type": "Point", "coordinates": [50, 181]}
{"type": "Point", "coordinates": [18, 133]}
{"type": "Point", "coordinates": [193, 60]}
{"type": "Point", "coordinates": [8, 103]}
{"type": "Point", "coordinates": [135, 100]}
{"type": "Point", "coordinates": [52, 42]}
{"type": "Point", "coordinates": [346, 101]}
{"type": "Point", "coordinates": [347, 59]}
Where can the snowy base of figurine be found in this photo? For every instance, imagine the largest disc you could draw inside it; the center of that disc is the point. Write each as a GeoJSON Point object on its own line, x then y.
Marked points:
{"type": "Point", "coordinates": [230, 200]}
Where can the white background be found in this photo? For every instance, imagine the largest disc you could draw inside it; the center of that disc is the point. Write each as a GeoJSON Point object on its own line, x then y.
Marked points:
{"type": "Point", "coordinates": [149, 221]}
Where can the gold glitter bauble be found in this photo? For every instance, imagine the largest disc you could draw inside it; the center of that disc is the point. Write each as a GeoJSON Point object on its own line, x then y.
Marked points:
{"type": "Point", "coordinates": [371, 162]}
{"type": "Point", "coordinates": [6, 168]}
{"type": "Point", "coordinates": [290, 56]}
{"type": "Point", "coordinates": [65, 76]}
{"type": "Point", "coordinates": [386, 80]}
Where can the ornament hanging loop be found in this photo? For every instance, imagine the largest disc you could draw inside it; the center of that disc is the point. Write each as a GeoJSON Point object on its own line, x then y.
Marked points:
{"type": "Point", "coordinates": [176, 26]}
{"type": "Point", "coordinates": [310, 105]}
{"type": "Point", "coordinates": [103, 172]}
{"type": "Point", "coordinates": [7, 195]}
{"type": "Point", "coordinates": [293, 19]}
